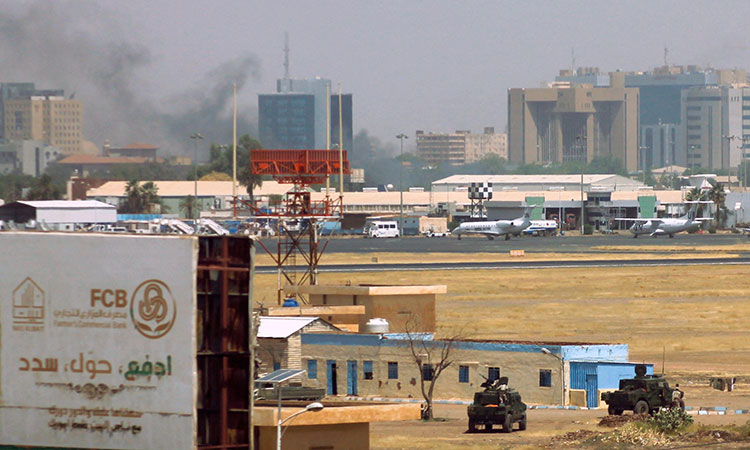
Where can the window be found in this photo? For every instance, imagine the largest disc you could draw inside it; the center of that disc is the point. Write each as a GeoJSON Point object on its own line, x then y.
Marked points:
{"type": "Point", "coordinates": [393, 371]}
{"type": "Point", "coordinates": [545, 378]}
{"type": "Point", "coordinates": [463, 374]}
{"type": "Point", "coordinates": [493, 373]}
{"type": "Point", "coordinates": [428, 372]}
{"type": "Point", "coordinates": [367, 366]}
{"type": "Point", "coordinates": [276, 366]}
{"type": "Point", "coordinates": [312, 368]}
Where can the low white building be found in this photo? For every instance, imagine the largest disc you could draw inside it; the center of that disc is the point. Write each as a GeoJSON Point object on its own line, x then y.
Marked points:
{"type": "Point", "coordinates": [59, 214]}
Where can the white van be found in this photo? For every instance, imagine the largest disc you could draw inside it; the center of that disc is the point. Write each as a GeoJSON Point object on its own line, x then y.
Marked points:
{"type": "Point", "coordinates": [382, 229]}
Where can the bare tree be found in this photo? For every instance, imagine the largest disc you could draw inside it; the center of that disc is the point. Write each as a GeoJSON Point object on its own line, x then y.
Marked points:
{"type": "Point", "coordinates": [431, 356]}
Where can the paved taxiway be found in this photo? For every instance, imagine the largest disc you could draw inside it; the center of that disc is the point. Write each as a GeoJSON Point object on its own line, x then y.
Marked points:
{"type": "Point", "coordinates": [570, 245]}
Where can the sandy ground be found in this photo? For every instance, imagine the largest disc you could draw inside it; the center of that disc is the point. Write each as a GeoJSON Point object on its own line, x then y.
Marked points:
{"type": "Point", "coordinates": [450, 431]}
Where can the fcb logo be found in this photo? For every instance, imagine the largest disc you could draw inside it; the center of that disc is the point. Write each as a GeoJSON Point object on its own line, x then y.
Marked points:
{"type": "Point", "coordinates": [153, 309]}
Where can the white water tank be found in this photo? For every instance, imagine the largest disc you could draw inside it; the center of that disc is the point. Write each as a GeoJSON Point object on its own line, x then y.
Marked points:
{"type": "Point", "coordinates": [376, 325]}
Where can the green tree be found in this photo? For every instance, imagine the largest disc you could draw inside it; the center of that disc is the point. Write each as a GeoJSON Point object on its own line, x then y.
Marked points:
{"type": "Point", "coordinates": [718, 196]}
{"type": "Point", "coordinates": [140, 199]}
{"type": "Point", "coordinates": [44, 189]}
{"type": "Point", "coordinates": [188, 205]}
{"type": "Point", "coordinates": [13, 184]}
{"type": "Point", "coordinates": [221, 161]}
{"type": "Point", "coordinates": [696, 195]}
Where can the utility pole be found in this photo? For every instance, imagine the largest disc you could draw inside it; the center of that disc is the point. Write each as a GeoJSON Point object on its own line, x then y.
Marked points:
{"type": "Point", "coordinates": [401, 136]}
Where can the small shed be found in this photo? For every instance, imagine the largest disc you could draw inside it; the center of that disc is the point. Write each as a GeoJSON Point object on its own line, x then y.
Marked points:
{"type": "Point", "coordinates": [62, 214]}
{"type": "Point", "coordinates": [279, 342]}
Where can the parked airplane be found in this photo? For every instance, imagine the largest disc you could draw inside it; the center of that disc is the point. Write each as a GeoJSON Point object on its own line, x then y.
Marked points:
{"type": "Point", "coordinates": [491, 229]}
{"type": "Point", "coordinates": [667, 226]}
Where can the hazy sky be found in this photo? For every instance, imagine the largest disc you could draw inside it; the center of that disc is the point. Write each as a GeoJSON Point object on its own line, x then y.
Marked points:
{"type": "Point", "coordinates": [431, 65]}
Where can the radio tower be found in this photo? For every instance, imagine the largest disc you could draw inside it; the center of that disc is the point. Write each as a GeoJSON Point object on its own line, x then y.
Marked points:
{"type": "Point", "coordinates": [286, 55]}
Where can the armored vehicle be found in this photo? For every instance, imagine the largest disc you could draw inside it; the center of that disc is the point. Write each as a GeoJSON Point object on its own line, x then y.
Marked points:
{"type": "Point", "coordinates": [497, 404]}
{"type": "Point", "coordinates": [644, 394]}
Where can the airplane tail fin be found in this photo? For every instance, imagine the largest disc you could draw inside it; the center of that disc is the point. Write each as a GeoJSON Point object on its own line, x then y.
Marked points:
{"type": "Point", "coordinates": [527, 211]}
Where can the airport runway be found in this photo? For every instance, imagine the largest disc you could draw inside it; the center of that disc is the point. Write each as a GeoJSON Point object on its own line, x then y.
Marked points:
{"type": "Point", "coordinates": [570, 245]}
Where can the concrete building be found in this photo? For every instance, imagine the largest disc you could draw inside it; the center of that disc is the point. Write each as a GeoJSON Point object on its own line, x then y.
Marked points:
{"type": "Point", "coordinates": [375, 365]}
{"type": "Point", "coordinates": [573, 123]}
{"type": "Point", "coordinates": [480, 145]}
{"type": "Point", "coordinates": [661, 104]}
{"type": "Point", "coordinates": [503, 183]}
{"type": "Point", "coordinates": [133, 150]}
{"type": "Point", "coordinates": [279, 340]}
{"type": "Point", "coordinates": [54, 120]}
{"type": "Point", "coordinates": [212, 195]}
{"type": "Point", "coordinates": [401, 306]}
{"type": "Point", "coordinates": [461, 147]}
{"type": "Point", "coordinates": [294, 117]}
{"type": "Point", "coordinates": [28, 157]}
{"type": "Point", "coordinates": [337, 426]}
{"type": "Point", "coordinates": [711, 115]}
{"type": "Point", "coordinates": [15, 91]}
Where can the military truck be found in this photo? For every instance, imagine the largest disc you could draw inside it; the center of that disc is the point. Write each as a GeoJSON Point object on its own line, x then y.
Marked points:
{"type": "Point", "coordinates": [497, 404]}
{"type": "Point", "coordinates": [644, 394]}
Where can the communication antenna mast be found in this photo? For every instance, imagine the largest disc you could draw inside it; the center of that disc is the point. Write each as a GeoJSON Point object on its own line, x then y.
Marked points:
{"type": "Point", "coordinates": [286, 55]}
{"type": "Point", "coordinates": [572, 59]}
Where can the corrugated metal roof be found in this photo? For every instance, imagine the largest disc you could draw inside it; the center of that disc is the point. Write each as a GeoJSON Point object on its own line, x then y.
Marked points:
{"type": "Point", "coordinates": [66, 204]}
{"type": "Point", "coordinates": [282, 327]}
{"type": "Point", "coordinates": [185, 188]}
{"type": "Point", "coordinates": [531, 179]}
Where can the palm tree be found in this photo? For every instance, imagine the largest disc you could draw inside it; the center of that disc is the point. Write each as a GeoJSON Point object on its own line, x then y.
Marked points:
{"type": "Point", "coordinates": [717, 195]}
{"type": "Point", "coordinates": [188, 205]}
{"type": "Point", "coordinates": [149, 196]}
{"type": "Point", "coordinates": [133, 202]}
{"type": "Point", "coordinates": [43, 189]}
{"type": "Point", "coordinates": [696, 195]}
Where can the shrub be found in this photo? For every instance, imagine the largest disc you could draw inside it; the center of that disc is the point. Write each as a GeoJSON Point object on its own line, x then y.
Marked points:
{"type": "Point", "coordinates": [588, 229]}
{"type": "Point", "coordinates": [671, 420]}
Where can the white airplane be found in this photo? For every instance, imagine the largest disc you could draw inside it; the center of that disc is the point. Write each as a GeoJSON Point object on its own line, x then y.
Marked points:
{"type": "Point", "coordinates": [667, 226]}
{"type": "Point", "coordinates": [491, 229]}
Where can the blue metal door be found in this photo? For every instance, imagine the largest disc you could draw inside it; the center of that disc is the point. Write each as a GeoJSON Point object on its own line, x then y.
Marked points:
{"type": "Point", "coordinates": [331, 377]}
{"type": "Point", "coordinates": [592, 386]}
{"type": "Point", "coordinates": [351, 377]}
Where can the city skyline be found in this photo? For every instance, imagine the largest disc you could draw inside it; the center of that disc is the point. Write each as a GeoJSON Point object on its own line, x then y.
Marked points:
{"type": "Point", "coordinates": [440, 66]}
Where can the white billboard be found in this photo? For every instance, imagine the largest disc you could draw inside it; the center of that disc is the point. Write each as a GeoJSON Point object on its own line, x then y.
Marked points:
{"type": "Point", "coordinates": [97, 341]}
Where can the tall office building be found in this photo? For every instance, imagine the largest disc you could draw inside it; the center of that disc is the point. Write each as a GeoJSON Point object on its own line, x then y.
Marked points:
{"type": "Point", "coordinates": [54, 120]}
{"type": "Point", "coordinates": [711, 116]}
{"type": "Point", "coordinates": [22, 91]}
{"type": "Point", "coordinates": [566, 122]}
{"type": "Point", "coordinates": [661, 105]}
{"type": "Point", "coordinates": [295, 115]}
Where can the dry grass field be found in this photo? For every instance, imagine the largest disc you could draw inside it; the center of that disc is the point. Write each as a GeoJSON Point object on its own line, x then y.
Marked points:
{"type": "Point", "coordinates": [697, 314]}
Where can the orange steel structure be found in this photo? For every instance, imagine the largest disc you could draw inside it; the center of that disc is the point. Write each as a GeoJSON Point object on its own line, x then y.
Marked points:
{"type": "Point", "coordinates": [299, 218]}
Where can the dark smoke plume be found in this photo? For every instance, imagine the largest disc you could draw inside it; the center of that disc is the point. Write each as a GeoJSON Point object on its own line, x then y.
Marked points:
{"type": "Point", "coordinates": [79, 46]}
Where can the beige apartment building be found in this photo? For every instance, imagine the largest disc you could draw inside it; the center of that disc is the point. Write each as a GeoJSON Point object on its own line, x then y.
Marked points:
{"type": "Point", "coordinates": [565, 122]}
{"type": "Point", "coordinates": [54, 120]}
{"type": "Point", "coordinates": [461, 147]}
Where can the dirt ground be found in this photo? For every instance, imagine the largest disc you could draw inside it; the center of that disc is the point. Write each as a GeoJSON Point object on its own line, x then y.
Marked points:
{"type": "Point", "coordinates": [693, 317]}
{"type": "Point", "coordinates": [450, 430]}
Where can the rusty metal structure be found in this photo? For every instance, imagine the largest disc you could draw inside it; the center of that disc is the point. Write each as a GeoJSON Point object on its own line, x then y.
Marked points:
{"type": "Point", "coordinates": [223, 331]}
{"type": "Point", "coordinates": [299, 218]}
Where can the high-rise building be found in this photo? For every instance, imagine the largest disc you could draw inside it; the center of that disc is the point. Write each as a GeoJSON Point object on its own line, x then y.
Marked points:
{"type": "Point", "coordinates": [480, 145]}
{"type": "Point", "coordinates": [566, 122]}
{"type": "Point", "coordinates": [295, 115]}
{"type": "Point", "coordinates": [54, 120]}
{"type": "Point", "coordinates": [661, 107]}
{"type": "Point", "coordinates": [715, 125]}
{"type": "Point", "coordinates": [461, 147]}
{"type": "Point", "coordinates": [23, 91]}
